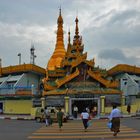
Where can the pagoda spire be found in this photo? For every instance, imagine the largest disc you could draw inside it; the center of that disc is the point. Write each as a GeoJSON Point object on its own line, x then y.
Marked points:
{"type": "Point", "coordinates": [76, 29]}
{"type": "Point", "coordinates": [69, 37]}
{"type": "Point", "coordinates": [69, 44]}
{"type": "Point", "coordinates": [59, 52]}
{"type": "Point", "coordinates": [60, 33]}
{"type": "Point", "coordinates": [76, 37]}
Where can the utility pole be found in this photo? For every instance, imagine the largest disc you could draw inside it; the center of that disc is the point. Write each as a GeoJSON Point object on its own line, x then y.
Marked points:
{"type": "Point", "coordinates": [19, 55]}
{"type": "Point", "coordinates": [0, 66]}
{"type": "Point", "coordinates": [32, 54]}
{"type": "Point", "coordinates": [0, 63]}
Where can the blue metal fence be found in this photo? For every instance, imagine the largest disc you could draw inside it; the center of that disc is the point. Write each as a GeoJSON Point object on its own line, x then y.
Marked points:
{"type": "Point", "coordinates": [13, 90]}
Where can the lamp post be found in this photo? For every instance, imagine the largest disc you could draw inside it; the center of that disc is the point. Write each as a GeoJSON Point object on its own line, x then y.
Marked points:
{"type": "Point", "coordinates": [19, 55]}
{"type": "Point", "coordinates": [67, 102]}
{"type": "Point", "coordinates": [0, 63]}
{"type": "Point", "coordinates": [32, 89]}
{"type": "Point", "coordinates": [0, 66]}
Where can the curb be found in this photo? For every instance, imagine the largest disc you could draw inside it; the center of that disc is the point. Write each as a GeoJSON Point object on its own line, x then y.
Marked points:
{"type": "Point", "coordinates": [124, 116]}
{"type": "Point", "coordinates": [15, 118]}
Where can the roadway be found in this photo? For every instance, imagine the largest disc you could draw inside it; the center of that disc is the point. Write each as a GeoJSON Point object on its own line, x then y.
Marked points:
{"type": "Point", "coordinates": [72, 130]}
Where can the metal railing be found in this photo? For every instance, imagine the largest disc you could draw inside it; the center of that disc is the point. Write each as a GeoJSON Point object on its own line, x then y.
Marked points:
{"type": "Point", "coordinates": [18, 90]}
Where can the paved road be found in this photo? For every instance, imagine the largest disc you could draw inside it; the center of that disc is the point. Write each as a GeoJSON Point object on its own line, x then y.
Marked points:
{"type": "Point", "coordinates": [73, 130]}
{"type": "Point", "coordinates": [17, 129]}
{"type": "Point", "coordinates": [98, 131]}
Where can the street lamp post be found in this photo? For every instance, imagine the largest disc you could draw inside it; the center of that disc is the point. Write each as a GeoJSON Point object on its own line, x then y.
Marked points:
{"type": "Point", "coordinates": [67, 102]}
{"type": "Point", "coordinates": [19, 54]}
{"type": "Point", "coordinates": [0, 63]}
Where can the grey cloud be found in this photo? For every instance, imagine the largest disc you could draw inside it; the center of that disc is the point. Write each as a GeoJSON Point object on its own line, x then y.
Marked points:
{"type": "Point", "coordinates": [28, 11]}
{"type": "Point", "coordinates": [112, 54]}
{"type": "Point", "coordinates": [10, 49]}
{"type": "Point", "coordinates": [115, 33]}
{"type": "Point", "coordinates": [14, 46]}
{"type": "Point", "coordinates": [114, 29]}
{"type": "Point", "coordinates": [120, 16]}
{"type": "Point", "coordinates": [117, 55]}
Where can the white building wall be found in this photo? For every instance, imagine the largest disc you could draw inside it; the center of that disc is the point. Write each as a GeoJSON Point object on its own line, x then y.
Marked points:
{"type": "Point", "coordinates": [30, 80]}
{"type": "Point", "coordinates": [4, 86]}
{"type": "Point", "coordinates": [128, 85]}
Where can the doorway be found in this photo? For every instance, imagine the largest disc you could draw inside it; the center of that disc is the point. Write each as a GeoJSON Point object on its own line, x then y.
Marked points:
{"type": "Point", "coordinates": [1, 107]}
{"type": "Point", "coordinates": [82, 103]}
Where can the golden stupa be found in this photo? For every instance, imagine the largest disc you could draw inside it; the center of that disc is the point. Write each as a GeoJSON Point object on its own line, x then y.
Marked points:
{"type": "Point", "coordinates": [59, 52]}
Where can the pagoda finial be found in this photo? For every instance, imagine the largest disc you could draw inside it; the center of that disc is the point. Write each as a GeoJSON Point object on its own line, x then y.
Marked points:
{"type": "Point", "coordinates": [76, 29]}
{"type": "Point", "coordinates": [76, 37]}
{"type": "Point", "coordinates": [60, 19]}
{"type": "Point", "coordinates": [69, 37]}
{"type": "Point", "coordinates": [60, 10]}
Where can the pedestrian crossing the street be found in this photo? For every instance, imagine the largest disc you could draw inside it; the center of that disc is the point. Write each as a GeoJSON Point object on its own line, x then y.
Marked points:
{"type": "Point", "coordinates": [74, 130]}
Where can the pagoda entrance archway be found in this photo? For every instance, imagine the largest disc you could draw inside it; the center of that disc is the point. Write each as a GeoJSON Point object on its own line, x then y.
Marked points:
{"type": "Point", "coordinates": [82, 103]}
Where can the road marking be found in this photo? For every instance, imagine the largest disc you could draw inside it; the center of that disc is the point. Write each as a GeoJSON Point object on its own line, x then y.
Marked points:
{"type": "Point", "coordinates": [127, 138]}
{"type": "Point", "coordinates": [72, 130]}
{"type": "Point", "coordinates": [83, 136]}
{"type": "Point", "coordinates": [81, 132]}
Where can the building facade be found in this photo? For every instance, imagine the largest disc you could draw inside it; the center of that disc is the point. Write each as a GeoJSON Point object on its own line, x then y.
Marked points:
{"type": "Point", "coordinates": [69, 79]}
{"type": "Point", "coordinates": [18, 85]}
{"type": "Point", "coordinates": [75, 76]}
{"type": "Point", "coordinates": [129, 81]}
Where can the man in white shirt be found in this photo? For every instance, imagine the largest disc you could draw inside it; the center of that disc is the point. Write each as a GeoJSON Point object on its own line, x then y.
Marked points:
{"type": "Point", "coordinates": [75, 111]}
{"type": "Point", "coordinates": [115, 119]}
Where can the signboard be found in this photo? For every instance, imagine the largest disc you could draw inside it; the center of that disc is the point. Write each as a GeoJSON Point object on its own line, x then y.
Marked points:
{"type": "Point", "coordinates": [37, 103]}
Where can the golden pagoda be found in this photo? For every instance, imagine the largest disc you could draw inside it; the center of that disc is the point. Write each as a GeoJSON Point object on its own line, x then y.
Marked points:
{"type": "Point", "coordinates": [59, 52]}
{"type": "Point", "coordinates": [71, 72]}
{"type": "Point", "coordinates": [71, 79]}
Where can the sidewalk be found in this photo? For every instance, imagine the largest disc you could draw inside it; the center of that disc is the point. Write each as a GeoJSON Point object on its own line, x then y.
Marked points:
{"type": "Point", "coordinates": [16, 117]}
{"type": "Point", "coordinates": [105, 116]}
{"type": "Point", "coordinates": [29, 117]}
{"type": "Point", "coordinates": [123, 116]}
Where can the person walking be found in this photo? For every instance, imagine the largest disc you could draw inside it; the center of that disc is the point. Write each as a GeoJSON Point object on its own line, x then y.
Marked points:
{"type": "Point", "coordinates": [75, 111]}
{"type": "Point", "coordinates": [60, 115]}
{"type": "Point", "coordinates": [94, 111]}
{"type": "Point", "coordinates": [42, 115]}
{"type": "Point", "coordinates": [115, 120]}
{"type": "Point", "coordinates": [128, 108]}
{"type": "Point", "coordinates": [85, 117]}
{"type": "Point", "coordinates": [87, 109]}
{"type": "Point", "coordinates": [47, 116]}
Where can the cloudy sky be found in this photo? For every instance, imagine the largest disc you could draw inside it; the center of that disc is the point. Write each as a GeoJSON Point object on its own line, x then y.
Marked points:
{"type": "Point", "coordinates": [110, 29]}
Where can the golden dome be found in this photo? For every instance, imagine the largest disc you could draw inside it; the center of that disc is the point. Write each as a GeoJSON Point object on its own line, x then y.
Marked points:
{"type": "Point", "coordinates": [54, 62]}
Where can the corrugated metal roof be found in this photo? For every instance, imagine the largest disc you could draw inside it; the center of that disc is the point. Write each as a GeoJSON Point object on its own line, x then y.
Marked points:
{"type": "Point", "coordinates": [134, 77]}
{"type": "Point", "coordinates": [14, 78]}
{"type": "Point", "coordinates": [3, 79]}
{"type": "Point", "coordinates": [23, 68]}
